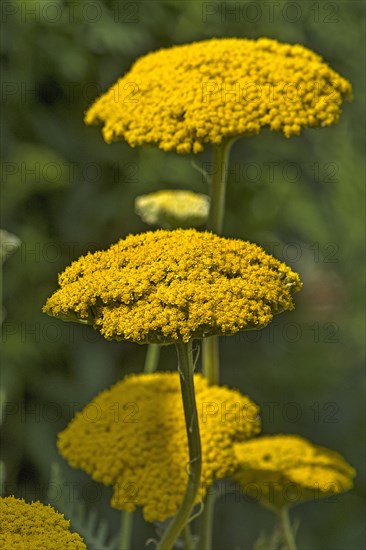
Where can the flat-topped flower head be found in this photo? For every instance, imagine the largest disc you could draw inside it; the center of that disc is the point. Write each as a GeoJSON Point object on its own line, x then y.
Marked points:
{"type": "Point", "coordinates": [34, 526]}
{"type": "Point", "coordinates": [183, 97]}
{"type": "Point", "coordinates": [138, 443]}
{"type": "Point", "coordinates": [284, 470]}
{"type": "Point", "coordinates": [171, 209]}
{"type": "Point", "coordinates": [171, 286]}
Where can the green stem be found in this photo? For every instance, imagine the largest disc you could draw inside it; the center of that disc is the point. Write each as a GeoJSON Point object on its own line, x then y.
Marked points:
{"type": "Point", "coordinates": [218, 186]}
{"type": "Point", "coordinates": [288, 536]}
{"type": "Point", "coordinates": [2, 313]}
{"type": "Point", "coordinates": [126, 531]}
{"type": "Point", "coordinates": [185, 366]}
{"type": "Point", "coordinates": [210, 346]}
{"type": "Point", "coordinates": [152, 358]}
{"type": "Point", "coordinates": [211, 360]}
{"type": "Point", "coordinates": [187, 538]}
{"type": "Point", "coordinates": [206, 520]}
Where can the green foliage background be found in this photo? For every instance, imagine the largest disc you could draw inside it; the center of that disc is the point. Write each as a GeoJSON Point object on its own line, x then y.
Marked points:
{"type": "Point", "coordinates": [66, 192]}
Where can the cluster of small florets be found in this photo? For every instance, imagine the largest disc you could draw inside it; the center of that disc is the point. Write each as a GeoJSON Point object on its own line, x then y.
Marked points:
{"type": "Point", "coordinates": [183, 97]}
{"type": "Point", "coordinates": [34, 526]}
{"type": "Point", "coordinates": [171, 209]}
{"type": "Point", "coordinates": [138, 441]}
{"type": "Point", "coordinates": [288, 469]}
{"type": "Point", "coordinates": [168, 286]}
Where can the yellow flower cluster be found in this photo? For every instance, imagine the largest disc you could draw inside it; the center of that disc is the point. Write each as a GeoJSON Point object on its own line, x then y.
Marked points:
{"type": "Point", "coordinates": [168, 286]}
{"type": "Point", "coordinates": [133, 437]}
{"type": "Point", "coordinates": [34, 526]}
{"type": "Point", "coordinates": [185, 96]}
{"type": "Point", "coordinates": [284, 470]}
{"type": "Point", "coordinates": [171, 209]}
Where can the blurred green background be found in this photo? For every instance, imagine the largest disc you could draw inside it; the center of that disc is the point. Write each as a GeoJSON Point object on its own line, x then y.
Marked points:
{"type": "Point", "coordinates": [66, 192]}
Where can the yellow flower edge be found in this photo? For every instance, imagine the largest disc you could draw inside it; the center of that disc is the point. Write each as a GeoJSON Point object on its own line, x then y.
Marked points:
{"type": "Point", "coordinates": [284, 470]}
{"type": "Point", "coordinates": [173, 208]}
{"type": "Point", "coordinates": [133, 437]}
{"type": "Point", "coordinates": [34, 526]}
{"type": "Point", "coordinates": [183, 97]}
{"type": "Point", "coordinates": [170, 286]}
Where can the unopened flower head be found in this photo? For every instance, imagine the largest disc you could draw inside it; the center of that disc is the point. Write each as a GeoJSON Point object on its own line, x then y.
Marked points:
{"type": "Point", "coordinates": [186, 96]}
{"type": "Point", "coordinates": [288, 469]}
{"type": "Point", "coordinates": [137, 441]}
{"type": "Point", "coordinates": [170, 286]}
{"type": "Point", "coordinates": [171, 209]}
{"type": "Point", "coordinates": [34, 526]}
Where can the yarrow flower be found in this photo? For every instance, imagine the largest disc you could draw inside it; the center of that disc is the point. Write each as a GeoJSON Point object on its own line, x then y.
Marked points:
{"type": "Point", "coordinates": [172, 286]}
{"type": "Point", "coordinates": [137, 442]}
{"type": "Point", "coordinates": [35, 526]}
{"type": "Point", "coordinates": [284, 470]}
{"type": "Point", "coordinates": [171, 209]}
{"type": "Point", "coordinates": [183, 97]}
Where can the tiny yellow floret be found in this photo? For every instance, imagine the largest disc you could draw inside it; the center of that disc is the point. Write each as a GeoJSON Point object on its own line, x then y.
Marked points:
{"type": "Point", "coordinates": [34, 526]}
{"type": "Point", "coordinates": [138, 443]}
{"type": "Point", "coordinates": [172, 286]}
{"type": "Point", "coordinates": [284, 470]}
{"type": "Point", "coordinates": [186, 96]}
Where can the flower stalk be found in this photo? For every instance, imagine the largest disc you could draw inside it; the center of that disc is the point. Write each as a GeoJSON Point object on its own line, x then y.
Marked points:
{"type": "Point", "coordinates": [152, 358]}
{"type": "Point", "coordinates": [187, 538]}
{"type": "Point", "coordinates": [218, 186]}
{"type": "Point", "coordinates": [126, 531]}
{"type": "Point", "coordinates": [211, 359]}
{"type": "Point", "coordinates": [206, 523]}
{"type": "Point", "coordinates": [180, 520]}
{"type": "Point", "coordinates": [210, 346]}
{"type": "Point", "coordinates": [287, 533]}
